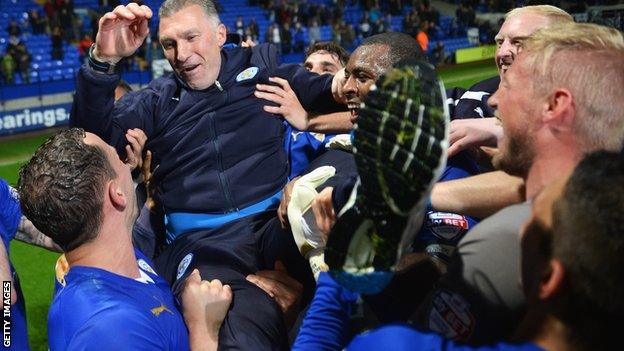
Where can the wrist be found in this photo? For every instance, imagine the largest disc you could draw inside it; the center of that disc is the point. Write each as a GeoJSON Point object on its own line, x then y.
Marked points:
{"type": "Point", "coordinates": [101, 65]}
{"type": "Point", "coordinates": [107, 59]}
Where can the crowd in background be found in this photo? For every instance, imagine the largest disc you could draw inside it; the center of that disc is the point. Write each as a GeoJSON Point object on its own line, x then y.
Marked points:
{"type": "Point", "coordinates": [294, 26]}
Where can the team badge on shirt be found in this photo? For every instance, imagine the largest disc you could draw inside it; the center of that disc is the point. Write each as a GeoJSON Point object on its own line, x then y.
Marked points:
{"type": "Point", "coordinates": [186, 261]}
{"type": "Point", "coordinates": [145, 266]}
{"type": "Point", "coordinates": [247, 74]}
{"type": "Point", "coordinates": [13, 193]}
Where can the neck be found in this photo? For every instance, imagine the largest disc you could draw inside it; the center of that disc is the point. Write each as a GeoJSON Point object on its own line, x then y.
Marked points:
{"type": "Point", "coordinates": [544, 330]}
{"type": "Point", "coordinates": [555, 162]}
{"type": "Point", "coordinates": [111, 251]}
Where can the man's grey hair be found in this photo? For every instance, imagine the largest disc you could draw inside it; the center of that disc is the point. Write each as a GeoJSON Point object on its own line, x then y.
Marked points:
{"type": "Point", "coordinates": [170, 7]}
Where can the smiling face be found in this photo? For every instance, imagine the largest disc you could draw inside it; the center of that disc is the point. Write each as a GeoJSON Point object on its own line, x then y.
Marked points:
{"type": "Point", "coordinates": [512, 34]}
{"type": "Point", "coordinates": [366, 64]}
{"type": "Point", "coordinates": [192, 44]}
{"type": "Point", "coordinates": [516, 108]}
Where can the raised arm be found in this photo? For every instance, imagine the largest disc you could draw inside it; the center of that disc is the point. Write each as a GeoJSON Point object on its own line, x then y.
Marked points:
{"type": "Point", "coordinates": [120, 33]}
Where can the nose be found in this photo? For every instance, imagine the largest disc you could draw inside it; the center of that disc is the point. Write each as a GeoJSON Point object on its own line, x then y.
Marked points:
{"type": "Point", "coordinates": [505, 49]}
{"type": "Point", "coordinates": [493, 100]}
{"type": "Point", "coordinates": [183, 52]}
{"type": "Point", "coordinates": [350, 86]}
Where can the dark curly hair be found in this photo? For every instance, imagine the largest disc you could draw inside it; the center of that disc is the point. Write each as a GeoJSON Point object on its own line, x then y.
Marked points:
{"type": "Point", "coordinates": [61, 188]}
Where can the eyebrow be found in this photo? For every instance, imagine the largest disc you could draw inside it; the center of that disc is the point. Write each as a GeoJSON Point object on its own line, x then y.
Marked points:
{"type": "Point", "coordinates": [520, 38]}
{"type": "Point", "coordinates": [360, 70]}
{"type": "Point", "coordinates": [184, 34]}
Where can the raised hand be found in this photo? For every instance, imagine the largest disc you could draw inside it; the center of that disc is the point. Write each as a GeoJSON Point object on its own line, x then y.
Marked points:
{"type": "Point", "coordinates": [287, 101]}
{"type": "Point", "coordinates": [473, 132]}
{"type": "Point", "coordinates": [121, 32]}
{"type": "Point", "coordinates": [204, 307]}
{"type": "Point", "coordinates": [134, 150]}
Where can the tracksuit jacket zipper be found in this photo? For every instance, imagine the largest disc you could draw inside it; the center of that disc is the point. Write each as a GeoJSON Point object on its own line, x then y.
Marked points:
{"type": "Point", "coordinates": [225, 187]}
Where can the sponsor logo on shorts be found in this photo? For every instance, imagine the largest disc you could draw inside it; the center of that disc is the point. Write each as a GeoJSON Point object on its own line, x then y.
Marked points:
{"type": "Point", "coordinates": [450, 316]}
{"type": "Point", "coordinates": [247, 74]}
{"type": "Point", "coordinates": [186, 261]}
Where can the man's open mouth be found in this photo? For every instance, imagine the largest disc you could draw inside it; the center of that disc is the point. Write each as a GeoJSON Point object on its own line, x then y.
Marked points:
{"type": "Point", "coordinates": [189, 69]}
{"type": "Point", "coordinates": [354, 108]}
{"type": "Point", "coordinates": [504, 64]}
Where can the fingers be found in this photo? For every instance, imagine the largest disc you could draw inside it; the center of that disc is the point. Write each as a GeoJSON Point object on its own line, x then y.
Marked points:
{"type": "Point", "coordinates": [276, 110]}
{"type": "Point", "coordinates": [248, 43]}
{"type": "Point", "coordinates": [269, 96]}
{"type": "Point", "coordinates": [135, 10]}
{"type": "Point", "coordinates": [195, 276]}
{"type": "Point", "coordinates": [282, 83]}
{"type": "Point", "coordinates": [124, 12]}
{"type": "Point", "coordinates": [267, 285]}
{"type": "Point", "coordinates": [139, 134]}
{"type": "Point", "coordinates": [194, 279]}
{"type": "Point", "coordinates": [323, 210]}
{"type": "Point", "coordinates": [455, 148]}
{"type": "Point", "coordinates": [282, 211]}
{"type": "Point", "coordinates": [131, 160]}
{"type": "Point", "coordinates": [107, 19]}
{"type": "Point", "coordinates": [271, 89]}
{"type": "Point", "coordinates": [147, 166]}
{"type": "Point", "coordinates": [136, 139]}
{"type": "Point", "coordinates": [337, 86]}
{"type": "Point", "coordinates": [281, 277]}
{"type": "Point", "coordinates": [490, 151]}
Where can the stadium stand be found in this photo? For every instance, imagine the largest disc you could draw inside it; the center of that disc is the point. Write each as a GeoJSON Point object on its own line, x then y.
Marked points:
{"type": "Point", "coordinates": [43, 68]}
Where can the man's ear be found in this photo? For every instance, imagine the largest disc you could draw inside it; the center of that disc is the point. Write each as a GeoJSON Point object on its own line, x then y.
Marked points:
{"type": "Point", "coordinates": [221, 34]}
{"type": "Point", "coordinates": [116, 195]}
{"type": "Point", "coordinates": [559, 110]}
{"type": "Point", "coordinates": [552, 280]}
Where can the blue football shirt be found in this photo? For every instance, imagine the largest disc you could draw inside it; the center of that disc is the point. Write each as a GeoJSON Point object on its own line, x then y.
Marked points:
{"type": "Point", "coordinates": [100, 310]}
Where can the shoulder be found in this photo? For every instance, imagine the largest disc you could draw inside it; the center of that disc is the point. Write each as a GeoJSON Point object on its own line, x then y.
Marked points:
{"type": "Point", "coordinates": [87, 293]}
{"type": "Point", "coordinates": [266, 54]}
{"type": "Point", "coordinates": [501, 226]}
{"type": "Point", "coordinates": [92, 307]}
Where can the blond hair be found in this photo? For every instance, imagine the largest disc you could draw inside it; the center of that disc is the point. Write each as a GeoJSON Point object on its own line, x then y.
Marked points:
{"type": "Point", "coordinates": [587, 60]}
{"type": "Point", "coordinates": [553, 14]}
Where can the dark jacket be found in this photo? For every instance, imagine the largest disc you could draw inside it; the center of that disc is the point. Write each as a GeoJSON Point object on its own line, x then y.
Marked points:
{"type": "Point", "coordinates": [217, 151]}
